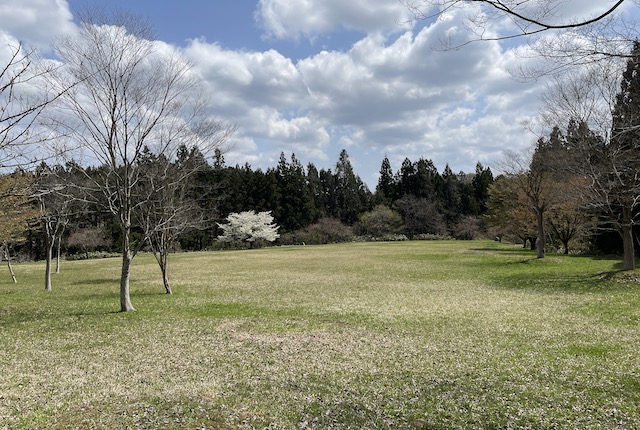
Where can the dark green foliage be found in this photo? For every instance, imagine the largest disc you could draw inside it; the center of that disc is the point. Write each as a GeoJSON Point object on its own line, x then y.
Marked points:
{"type": "Point", "coordinates": [386, 188]}
{"type": "Point", "coordinates": [296, 206]}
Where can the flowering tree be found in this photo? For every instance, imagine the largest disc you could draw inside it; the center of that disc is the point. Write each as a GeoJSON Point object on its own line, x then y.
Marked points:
{"type": "Point", "coordinates": [249, 227]}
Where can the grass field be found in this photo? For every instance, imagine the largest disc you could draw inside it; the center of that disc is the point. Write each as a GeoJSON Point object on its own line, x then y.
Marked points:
{"type": "Point", "coordinates": [410, 335]}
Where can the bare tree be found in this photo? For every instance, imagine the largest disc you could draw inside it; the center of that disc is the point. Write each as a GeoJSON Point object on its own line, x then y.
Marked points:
{"type": "Point", "coordinates": [529, 17]}
{"type": "Point", "coordinates": [171, 209]}
{"type": "Point", "coordinates": [21, 102]}
{"type": "Point", "coordinates": [130, 94]}
{"type": "Point", "coordinates": [555, 30]}
{"type": "Point", "coordinates": [534, 178]}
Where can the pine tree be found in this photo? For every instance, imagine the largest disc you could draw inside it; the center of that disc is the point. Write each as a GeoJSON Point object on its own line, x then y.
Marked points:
{"type": "Point", "coordinates": [385, 190]}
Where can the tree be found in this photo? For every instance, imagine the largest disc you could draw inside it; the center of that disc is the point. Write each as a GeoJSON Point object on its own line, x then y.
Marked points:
{"type": "Point", "coordinates": [87, 239]}
{"type": "Point", "coordinates": [604, 165]}
{"type": "Point", "coordinates": [529, 16]}
{"type": "Point", "coordinates": [168, 209]}
{"type": "Point", "coordinates": [128, 95]}
{"type": "Point", "coordinates": [508, 211]}
{"type": "Point", "coordinates": [568, 219]}
{"type": "Point", "coordinates": [296, 206]}
{"type": "Point", "coordinates": [351, 195]}
{"type": "Point", "coordinates": [481, 183]}
{"type": "Point", "coordinates": [249, 227]}
{"type": "Point", "coordinates": [533, 177]}
{"type": "Point", "coordinates": [385, 190]}
{"type": "Point", "coordinates": [420, 216]}
{"type": "Point", "coordinates": [380, 221]}
{"type": "Point", "coordinates": [18, 213]}
{"type": "Point", "coordinates": [55, 211]}
{"type": "Point", "coordinates": [18, 110]}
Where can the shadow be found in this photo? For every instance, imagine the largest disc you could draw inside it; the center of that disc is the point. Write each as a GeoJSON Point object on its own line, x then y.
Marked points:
{"type": "Point", "coordinates": [99, 281]}
{"type": "Point", "coordinates": [503, 250]}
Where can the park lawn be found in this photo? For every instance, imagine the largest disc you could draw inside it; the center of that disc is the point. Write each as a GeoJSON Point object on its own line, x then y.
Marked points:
{"type": "Point", "coordinates": [406, 335]}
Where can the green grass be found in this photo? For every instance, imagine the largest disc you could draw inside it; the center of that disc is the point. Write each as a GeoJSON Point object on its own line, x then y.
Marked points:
{"type": "Point", "coordinates": [408, 335]}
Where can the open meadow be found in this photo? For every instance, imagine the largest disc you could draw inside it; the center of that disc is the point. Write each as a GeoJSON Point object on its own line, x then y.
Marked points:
{"type": "Point", "coordinates": [406, 335]}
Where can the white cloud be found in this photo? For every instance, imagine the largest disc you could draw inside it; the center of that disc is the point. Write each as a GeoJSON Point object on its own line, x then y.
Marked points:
{"type": "Point", "coordinates": [398, 95]}
{"type": "Point", "coordinates": [392, 92]}
{"type": "Point", "coordinates": [37, 22]}
{"type": "Point", "coordinates": [305, 18]}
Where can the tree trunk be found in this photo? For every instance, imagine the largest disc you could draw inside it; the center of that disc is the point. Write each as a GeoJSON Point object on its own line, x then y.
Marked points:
{"type": "Point", "coordinates": [127, 257]}
{"type": "Point", "coordinates": [164, 267]}
{"type": "Point", "coordinates": [626, 231]}
{"type": "Point", "coordinates": [565, 243]}
{"type": "Point", "coordinates": [541, 239]}
{"type": "Point", "coordinates": [47, 270]}
{"type": "Point", "coordinates": [58, 254]}
{"type": "Point", "coordinates": [8, 258]}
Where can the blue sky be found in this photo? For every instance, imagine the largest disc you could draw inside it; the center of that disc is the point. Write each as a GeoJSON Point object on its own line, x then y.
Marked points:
{"type": "Point", "coordinates": [314, 77]}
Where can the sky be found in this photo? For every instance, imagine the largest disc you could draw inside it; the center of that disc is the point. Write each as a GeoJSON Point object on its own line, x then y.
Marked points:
{"type": "Point", "coordinates": [315, 77]}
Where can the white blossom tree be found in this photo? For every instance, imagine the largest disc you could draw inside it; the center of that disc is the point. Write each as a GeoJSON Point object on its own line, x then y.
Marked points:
{"type": "Point", "coordinates": [249, 227]}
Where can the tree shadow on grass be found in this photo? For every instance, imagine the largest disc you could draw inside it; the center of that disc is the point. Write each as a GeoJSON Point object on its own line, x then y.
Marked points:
{"type": "Point", "coordinates": [97, 281]}
{"type": "Point", "coordinates": [575, 283]}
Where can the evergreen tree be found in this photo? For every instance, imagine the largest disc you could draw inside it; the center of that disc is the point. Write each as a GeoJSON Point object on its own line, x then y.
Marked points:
{"type": "Point", "coordinates": [406, 179]}
{"type": "Point", "coordinates": [427, 179]}
{"type": "Point", "coordinates": [352, 195]}
{"type": "Point", "coordinates": [317, 192]}
{"type": "Point", "coordinates": [451, 201]}
{"type": "Point", "coordinates": [481, 183]}
{"type": "Point", "coordinates": [385, 190]}
{"type": "Point", "coordinates": [296, 206]}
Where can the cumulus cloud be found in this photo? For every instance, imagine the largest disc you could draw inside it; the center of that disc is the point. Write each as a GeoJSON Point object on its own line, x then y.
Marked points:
{"type": "Point", "coordinates": [303, 18]}
{"type": "Point", "coordinates": [394, 91]}
{"type": "Point", "coordinates": [36, 22]}
{"type": "Point", "coordinates": [394, 94]}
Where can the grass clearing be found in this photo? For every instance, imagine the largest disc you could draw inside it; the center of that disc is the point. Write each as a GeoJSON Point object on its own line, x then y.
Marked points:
{"type": "Point", "coordinates": [430, 335]}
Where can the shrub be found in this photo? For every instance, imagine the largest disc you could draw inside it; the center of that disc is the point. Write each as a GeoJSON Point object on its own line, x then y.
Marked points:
{"type": "Point", "coordinates": [326, 230]}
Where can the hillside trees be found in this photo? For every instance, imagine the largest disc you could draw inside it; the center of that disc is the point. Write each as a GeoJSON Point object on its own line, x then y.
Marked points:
{"type": "Point", "coordinates": [128, 95]}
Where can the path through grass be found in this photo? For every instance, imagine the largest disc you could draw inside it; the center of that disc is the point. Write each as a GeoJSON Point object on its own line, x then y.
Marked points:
{"type": "Point", "coordinates": [432, 335]}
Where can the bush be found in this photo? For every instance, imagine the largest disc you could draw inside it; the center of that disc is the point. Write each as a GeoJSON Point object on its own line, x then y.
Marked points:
{"type": "Point", "coordinates": [467, 228]}
{"type": "Point", "coordinates": [326, 230]}
{"type": "Point", "coordinates": [380, 222]}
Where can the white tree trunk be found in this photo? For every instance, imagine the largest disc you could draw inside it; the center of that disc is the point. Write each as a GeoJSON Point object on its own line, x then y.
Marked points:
{"type": "Point", "coordinates": [47, 270]}
{"type": "Point", "coordinates": [127, 257]}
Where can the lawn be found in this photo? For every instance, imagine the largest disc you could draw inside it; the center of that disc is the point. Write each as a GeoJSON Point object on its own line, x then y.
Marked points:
{"type": "Point", "coordinates": [407, 335]}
